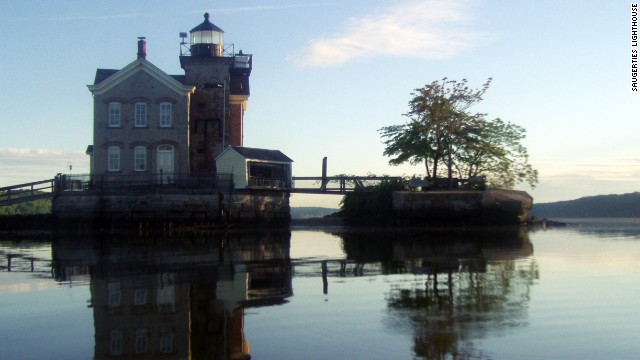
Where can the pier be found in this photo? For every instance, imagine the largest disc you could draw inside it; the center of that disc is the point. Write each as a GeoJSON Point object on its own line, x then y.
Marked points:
{"type": "Point", "coordinates": [16, 194]}
{"type": "Point", "coordinates": [47, 189]}
{"type": "Point", "coordinates": [336, 185]}
{"type": "Point", "coordinates": [181, 199]}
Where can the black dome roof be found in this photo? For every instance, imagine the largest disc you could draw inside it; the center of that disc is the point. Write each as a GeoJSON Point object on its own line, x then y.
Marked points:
{"type": "Point", "coordinates": [206, 26]}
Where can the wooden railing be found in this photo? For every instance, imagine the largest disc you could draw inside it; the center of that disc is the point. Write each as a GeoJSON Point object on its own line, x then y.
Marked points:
{"type": "Point", "coordinates": [17, 194]}
{"type": "Point", "coordinates": [334, 184]}
{"type": "Point", "coordinates": [279, 183]}
{"type": "Point", "coordinates": [111, 183]}
{"type": "Point", "coordinates": [118, 183]}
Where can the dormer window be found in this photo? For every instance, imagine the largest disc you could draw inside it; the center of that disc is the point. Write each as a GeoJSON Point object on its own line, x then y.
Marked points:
{"type": "Point", "coordinates": [141, 114]}
{"type": "Point", "coordinates": [114, 114]}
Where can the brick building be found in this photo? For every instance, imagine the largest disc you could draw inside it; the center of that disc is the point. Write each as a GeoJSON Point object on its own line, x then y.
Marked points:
{"type": "Point", "coordinates": [151, 125]}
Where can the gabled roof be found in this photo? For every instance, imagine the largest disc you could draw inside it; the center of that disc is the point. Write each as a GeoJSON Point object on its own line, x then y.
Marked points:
{"type": "Point", "coordinates": [259, 154]}
{"type": "Point", "coordinates": [179, 78]}
{"type": "Point", "coordinates": [106, 79]}
{"type": "Point", "coordinates": [102, 74]}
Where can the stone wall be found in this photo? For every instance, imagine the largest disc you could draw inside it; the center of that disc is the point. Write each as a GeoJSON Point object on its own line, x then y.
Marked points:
{"type": "Point", "coordinates": [140, 87]}
{"type": "Point", "coordinates": [236, 208]}
{"type": "Point", "coordinates": [271, 206]}
{"type": "Point", "coordinates": [490, 207]}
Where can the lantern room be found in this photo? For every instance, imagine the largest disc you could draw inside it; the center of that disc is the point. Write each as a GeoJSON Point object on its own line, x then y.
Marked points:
{"type": "Point", "coordinates": [207, 40]}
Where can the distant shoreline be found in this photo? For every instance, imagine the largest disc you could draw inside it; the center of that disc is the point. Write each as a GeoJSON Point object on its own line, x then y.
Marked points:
{"type": "Point", "coordinates": [315, 222]}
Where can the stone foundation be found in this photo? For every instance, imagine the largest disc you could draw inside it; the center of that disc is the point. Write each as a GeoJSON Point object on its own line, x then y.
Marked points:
{"type": "Point", "coordinates": [239, 207]}
{"type": "Point", "coordinates": [489, 207]}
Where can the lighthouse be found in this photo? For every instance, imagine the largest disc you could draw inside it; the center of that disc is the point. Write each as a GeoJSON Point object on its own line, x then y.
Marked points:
{"type": "Point", "coordinates": [221, 80]}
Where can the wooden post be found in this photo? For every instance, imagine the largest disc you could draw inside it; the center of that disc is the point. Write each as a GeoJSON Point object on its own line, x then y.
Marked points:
{"type": "Point", "coordinates": [324, 174]}
{"type": "Point", "coordinates": [325, 282]}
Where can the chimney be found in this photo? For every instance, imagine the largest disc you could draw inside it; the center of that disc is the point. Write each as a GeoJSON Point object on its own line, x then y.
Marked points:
{"type": "Point", "coordinates": [142, 48]}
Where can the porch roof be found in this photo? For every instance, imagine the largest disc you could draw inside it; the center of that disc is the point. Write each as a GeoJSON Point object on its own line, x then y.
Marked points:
{"type": "Point", "coordinates": [261, 154]}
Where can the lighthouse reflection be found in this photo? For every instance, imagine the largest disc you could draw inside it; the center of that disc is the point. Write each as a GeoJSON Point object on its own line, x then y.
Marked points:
{"type": "Point", "coordinates": [176, 298]}
{"type": "Point", "coordinates": [187, 296]}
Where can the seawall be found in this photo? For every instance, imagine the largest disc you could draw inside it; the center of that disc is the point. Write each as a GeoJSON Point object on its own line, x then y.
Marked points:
{"type": "Point", "coordinates": [240, 207]}
{"type": "Point", "coordinates": [488, 207]}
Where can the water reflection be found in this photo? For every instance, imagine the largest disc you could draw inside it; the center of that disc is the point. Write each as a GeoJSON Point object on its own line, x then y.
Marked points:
{"type": "Point", "coordinates": [176, 298]}
{"type": "Point", "coordinates": [477, 283]}
{"type": "Point", "coordinates": [187, 296]}
{"type": "Point", "coordinates": [610, 228]}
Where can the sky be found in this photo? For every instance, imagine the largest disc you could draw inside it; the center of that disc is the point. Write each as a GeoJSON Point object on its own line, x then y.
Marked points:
{"type": "Point", "coordinates": [327, 75]}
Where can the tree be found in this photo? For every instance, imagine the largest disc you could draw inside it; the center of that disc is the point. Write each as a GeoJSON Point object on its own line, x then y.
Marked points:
{"type": "Point", "coordinates": [35, 207]}
{"type": "Point", "coordinates": [441, 130]}
{"type": "Point", "coordinates": [371, 205]}
{"type": "Point", "coordinates": [494, 150]}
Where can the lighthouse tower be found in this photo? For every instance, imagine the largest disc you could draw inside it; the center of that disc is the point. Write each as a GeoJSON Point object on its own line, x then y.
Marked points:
{"type": "Point", "coordinates": [221, 78]}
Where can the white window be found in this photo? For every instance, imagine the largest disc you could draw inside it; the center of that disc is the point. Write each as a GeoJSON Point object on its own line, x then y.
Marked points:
{"type": "Point", "coordinates": [114, 114]}
{"type": "Point", "coordinates": [140, 158]}
{"type": "Point", "coordinates": [140, 296]}
{"type": "Point", "coordinates": [166, 340]}
{"type": "Point", "coordinates": [166, 293]}
{"type": "Point", "coordinates": [114, 294]}
{"type": "Point", "coordinates": [115, 347]}
{"type": "Point", "coordinates": [141, 114]}
{"type": "Point", "coordinates": [165, 114]}
{"type": "Point", "coordinates": [114, 158]}
{"type": "Point", "coordinates": [142, 341]}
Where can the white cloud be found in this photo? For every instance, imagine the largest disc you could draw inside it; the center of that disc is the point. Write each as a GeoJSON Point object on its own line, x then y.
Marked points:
{"type": "Point", "coordinates": [260, 8]}
{"type": "Point", "coordinates": [101, 17]}
{"type": "Point", "coordinates": [572, 178]}
{"type": "Point", "coordinates": [26, 152]}
{"type": "Point", "coordinates": [431, 29]}
{"type": "Point", "coordinates": [592, 168]}
{"type": "Point", "coordinates": [72, 18]}
{"type": "Point", "coordinates": [22, 165]}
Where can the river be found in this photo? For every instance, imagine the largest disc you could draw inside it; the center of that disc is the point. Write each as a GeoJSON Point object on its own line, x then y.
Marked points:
{"type": "Point", "coordinates": [324, 293]}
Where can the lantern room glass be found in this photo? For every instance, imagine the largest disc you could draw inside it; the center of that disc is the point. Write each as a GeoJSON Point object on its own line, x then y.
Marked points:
{"type": "Point", "coordinates": [206, 37]}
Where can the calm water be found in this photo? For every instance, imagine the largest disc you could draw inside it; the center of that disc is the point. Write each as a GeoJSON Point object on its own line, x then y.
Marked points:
{"type": "Point", "coordinates": [332, 293]}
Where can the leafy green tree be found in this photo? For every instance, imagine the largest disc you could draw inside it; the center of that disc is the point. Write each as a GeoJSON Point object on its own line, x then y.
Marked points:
{"type": "Point", "coordinates": [42, 206]}
{"type": "Point", "coordinates": [374, 204]}
{"type": "Point", "coordinates": [441, 131]}
{"type": "Point", "coordinates": [494, 149]}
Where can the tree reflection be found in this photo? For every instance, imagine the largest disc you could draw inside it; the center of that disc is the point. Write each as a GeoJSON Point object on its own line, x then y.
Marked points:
{"type": "Point", "coordinates": [468, 285]}
{"type": "Point", "coordinates": [186, 296]}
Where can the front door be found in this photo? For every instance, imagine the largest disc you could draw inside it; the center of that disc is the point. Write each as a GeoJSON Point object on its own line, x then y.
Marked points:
{"type": "Point", "coordinates": [165, 164]}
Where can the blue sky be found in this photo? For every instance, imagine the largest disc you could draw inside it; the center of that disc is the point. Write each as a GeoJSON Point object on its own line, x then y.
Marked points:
{"type": "Point", "coordinates": [328, 74]}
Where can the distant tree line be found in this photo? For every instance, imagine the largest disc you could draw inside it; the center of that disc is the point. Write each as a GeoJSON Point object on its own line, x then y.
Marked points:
{"type": "Point", "coordinates": [311, 212]}
{"type": "Point", "coordinates": [603, 206]}
{"type": "Point", "coordinates": [36, 207]}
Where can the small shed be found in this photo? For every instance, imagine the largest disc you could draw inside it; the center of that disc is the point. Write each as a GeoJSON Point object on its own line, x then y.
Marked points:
{"type": "Point", "coordinates": [255, 168]}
